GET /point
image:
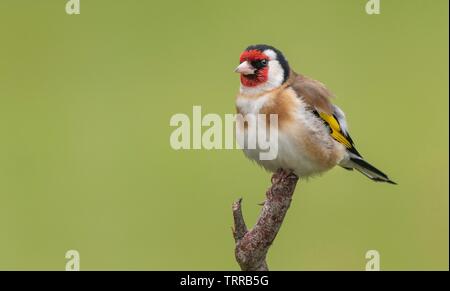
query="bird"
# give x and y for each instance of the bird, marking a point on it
(313, 135)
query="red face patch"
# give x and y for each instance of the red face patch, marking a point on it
(261, 74)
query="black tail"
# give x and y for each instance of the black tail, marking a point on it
(370, 171)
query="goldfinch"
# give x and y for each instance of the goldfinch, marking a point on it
(313, 135)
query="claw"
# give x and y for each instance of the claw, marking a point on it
(276, 177)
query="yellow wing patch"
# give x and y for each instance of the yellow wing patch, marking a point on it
(336, 132)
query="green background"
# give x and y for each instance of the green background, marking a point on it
(85, 160)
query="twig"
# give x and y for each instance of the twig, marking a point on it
(252, 246)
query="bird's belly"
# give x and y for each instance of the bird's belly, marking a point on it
(304, 142)
(304, 154)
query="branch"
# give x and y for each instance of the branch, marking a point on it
(252, 246)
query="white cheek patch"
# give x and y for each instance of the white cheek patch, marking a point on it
(276, 74)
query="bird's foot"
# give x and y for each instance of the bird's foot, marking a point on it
(282, 174)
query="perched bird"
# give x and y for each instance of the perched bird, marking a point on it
(313, 135)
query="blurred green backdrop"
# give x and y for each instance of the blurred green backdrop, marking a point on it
(85, 161)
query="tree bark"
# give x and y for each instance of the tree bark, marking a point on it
(252, 245)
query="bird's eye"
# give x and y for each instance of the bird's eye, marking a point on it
(259, 64)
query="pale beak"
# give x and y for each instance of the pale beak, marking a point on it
(245, 68)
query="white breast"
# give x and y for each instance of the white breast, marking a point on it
(251, 105)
